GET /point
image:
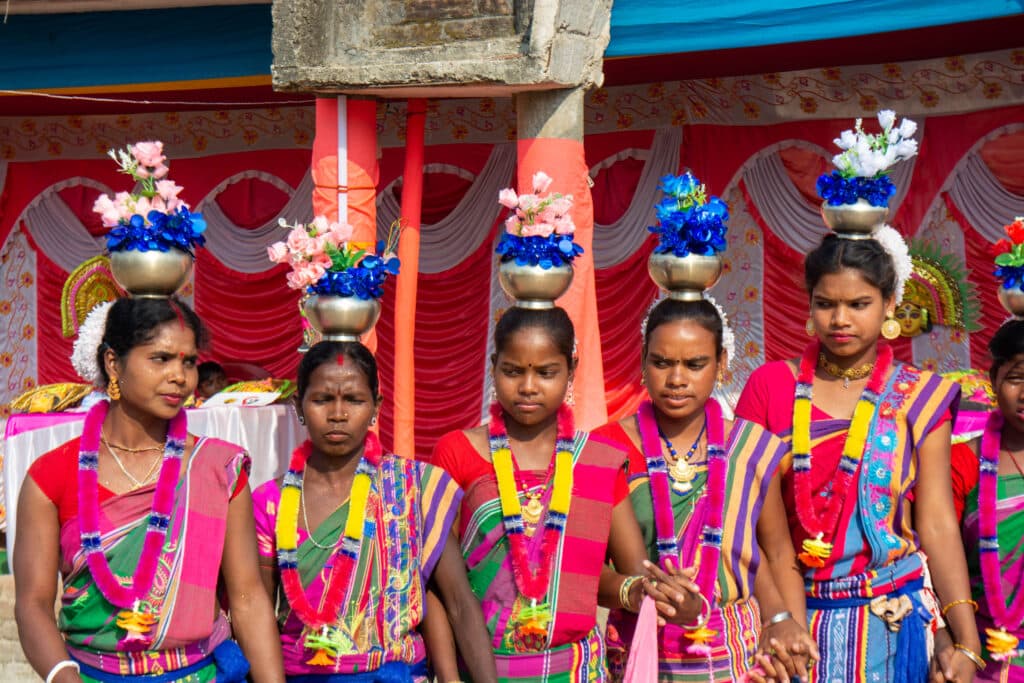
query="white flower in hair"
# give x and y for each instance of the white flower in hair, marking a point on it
(728, 337)
(894, 245)
(90, 335)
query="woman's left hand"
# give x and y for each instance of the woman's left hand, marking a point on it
(675, 594)
(960, 669)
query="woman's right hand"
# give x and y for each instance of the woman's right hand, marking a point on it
(675, 593)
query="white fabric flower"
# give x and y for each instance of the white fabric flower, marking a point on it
(894, 245)
(886, 118)
(90, 335)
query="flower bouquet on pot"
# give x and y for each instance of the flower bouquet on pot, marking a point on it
(1009, 258)
(858, 191)
(343, 280)
(536, 249)
(691, 238)
(153, 234)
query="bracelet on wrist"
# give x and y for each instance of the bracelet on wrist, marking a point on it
(624, 589)
(703, 617)
(779, 617)
(60, 666)
(961, 601)
(978, 662)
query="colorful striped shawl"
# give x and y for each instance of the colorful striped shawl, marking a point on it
(184, 593)
(873, 529)
(1010, 527)
(409, 516)
(578, 560)
(754, 455)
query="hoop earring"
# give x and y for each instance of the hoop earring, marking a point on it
(114, 390)
(891, 328)
(809, 327)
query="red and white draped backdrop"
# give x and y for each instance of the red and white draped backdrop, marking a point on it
(964, 185)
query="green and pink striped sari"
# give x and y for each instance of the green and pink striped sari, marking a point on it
(574, 651)
(190, 624)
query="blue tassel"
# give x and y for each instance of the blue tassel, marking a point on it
(232, 666)
(911, 647)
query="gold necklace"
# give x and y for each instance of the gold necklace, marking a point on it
(125, 449)
(305, 520)
(532, 510)
(845, 374)
(138, 483)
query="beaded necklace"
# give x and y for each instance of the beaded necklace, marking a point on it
(137, 618)
(815, 549)
(682, 471)
(664, 521)
(1001, 644)
(532, 582)
(326, 641)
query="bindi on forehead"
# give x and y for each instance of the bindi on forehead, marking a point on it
(340, 360)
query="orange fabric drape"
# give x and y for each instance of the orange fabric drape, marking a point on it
(405, 287)
(566, 163)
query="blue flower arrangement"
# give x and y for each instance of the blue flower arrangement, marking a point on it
(364, 280)
(539, 229)
(181, 229)
(688, 221)
(837, 190)
(155, 219)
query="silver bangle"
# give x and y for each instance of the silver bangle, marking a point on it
(60, 666)
(780, 617)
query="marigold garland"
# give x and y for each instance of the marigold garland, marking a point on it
(664, 521)
(1001, 644)
(816, 550)
(128, 595)
(318, 621)
(533, 582)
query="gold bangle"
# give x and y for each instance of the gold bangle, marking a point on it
(961, 601)
(624, 589)
(978, 662)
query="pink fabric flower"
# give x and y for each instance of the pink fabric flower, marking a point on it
(110, 215)
(340, 233)
(168, 190)
(321, 225)
(541, 182)
(160, 171)
(143, 206)
(562, 204)
(278, 252)
(508, 198)
(149, 154)
(528, 202)
(125, 205)
(536, 230)
(564, 225)
(298, 240)
(512, 225)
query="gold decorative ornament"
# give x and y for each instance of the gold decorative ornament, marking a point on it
(809, 327)
(891, 328)
(845, 374)
(88, 285)
(937, 293)
(113, 390)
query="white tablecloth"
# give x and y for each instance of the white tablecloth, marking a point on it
(268, 433)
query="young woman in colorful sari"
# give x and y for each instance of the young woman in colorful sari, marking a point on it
(867, 434)
(375, 529)
(699, 484)
(541, 503)
(142, 520)
(989, 478)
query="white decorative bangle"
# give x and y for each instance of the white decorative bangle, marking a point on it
(60, 666)
(779, 618)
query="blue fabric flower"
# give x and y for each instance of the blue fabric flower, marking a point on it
(1011, 276)
(181, 229)
(546, 252)
(687, 224)
(837, 190)
(364, 280)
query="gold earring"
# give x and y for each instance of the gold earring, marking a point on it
(570, 396)
(113, 389)
(891, 328)
(809, 327)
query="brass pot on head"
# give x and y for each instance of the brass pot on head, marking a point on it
(1012, 300)
(857, 220)
(685, 277)
(341, 318)
(534, 286)
(151, 274)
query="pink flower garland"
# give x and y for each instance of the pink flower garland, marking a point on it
(532, 582)
(111, 586)
(714, 489)
(1008, 617)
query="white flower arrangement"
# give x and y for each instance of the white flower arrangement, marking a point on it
(869, 155)
(90, 335)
